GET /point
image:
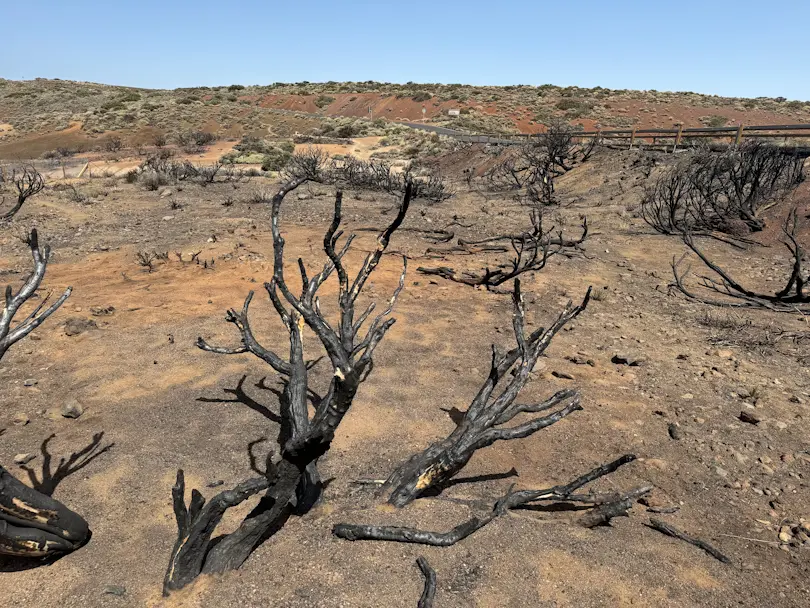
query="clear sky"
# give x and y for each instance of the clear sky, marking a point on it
(737, 48)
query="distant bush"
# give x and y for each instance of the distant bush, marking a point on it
(422, 96)
(276, 160)
(192, 141)
(128, 97)
(113, 144)
(187, 100)
(714, 121)
(236, 87)
(324, 100)
(112, 105)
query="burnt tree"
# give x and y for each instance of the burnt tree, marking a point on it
(792, 298)
(32, 524)
(27, 181)
(487, 420)
(292, 484)
(531, 251)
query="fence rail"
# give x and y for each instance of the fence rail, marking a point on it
(673, 137)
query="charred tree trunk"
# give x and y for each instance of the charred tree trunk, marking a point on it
(292, 485)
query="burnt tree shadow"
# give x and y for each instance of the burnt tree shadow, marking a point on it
(50, 479)
(240, 396)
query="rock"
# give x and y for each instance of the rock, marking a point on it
(21, 419)
(687, 396)
(563, 375)
(166, 192)
(723, 353)
(721, 472)
(627, 359)
(167, 218)
(749, 417)
(102, 311)
(30, 382)
(22, 459)
(117, 590)
(214, 484)
(675, 431)
(72, 409)
(785, 535)
(76, 325)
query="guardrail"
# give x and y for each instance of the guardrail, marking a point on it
(677, 135)
(667, 137)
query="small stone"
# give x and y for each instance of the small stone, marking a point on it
(721, 472)
(784, 535)
(72, 409)
(167, 218)
(102, 311)
(21, 419)
(30, 382)
(748, 417)
(165, 193)
(563, 375)
(22, 459)
(214, 484)
(117, 590)
(627, 359)
(687, 396)
(675, 431)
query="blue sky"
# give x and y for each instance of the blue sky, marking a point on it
(736, 48)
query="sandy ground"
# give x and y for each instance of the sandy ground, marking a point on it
(155, 396)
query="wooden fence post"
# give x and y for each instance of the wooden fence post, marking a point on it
(678, 138)
(632, 137)
(739, 137)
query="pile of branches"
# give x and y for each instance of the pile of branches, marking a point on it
(794, 297)
(530, 170)
(375, 175)
(721, 191)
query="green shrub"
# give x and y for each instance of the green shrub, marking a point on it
(422, 96)
(324, 100)
(276, 160)
(128, 97)
(236, 87)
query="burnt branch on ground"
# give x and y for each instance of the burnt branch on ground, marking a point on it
(605, 507)
(429, 591)
(531, 251)
(291, 485)
(792, 298)
(670, 530)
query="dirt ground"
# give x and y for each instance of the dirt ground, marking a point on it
(163, 404)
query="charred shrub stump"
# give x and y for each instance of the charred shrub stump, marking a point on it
(292, 484)
(32, 524)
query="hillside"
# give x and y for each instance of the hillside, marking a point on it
(39, 115)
